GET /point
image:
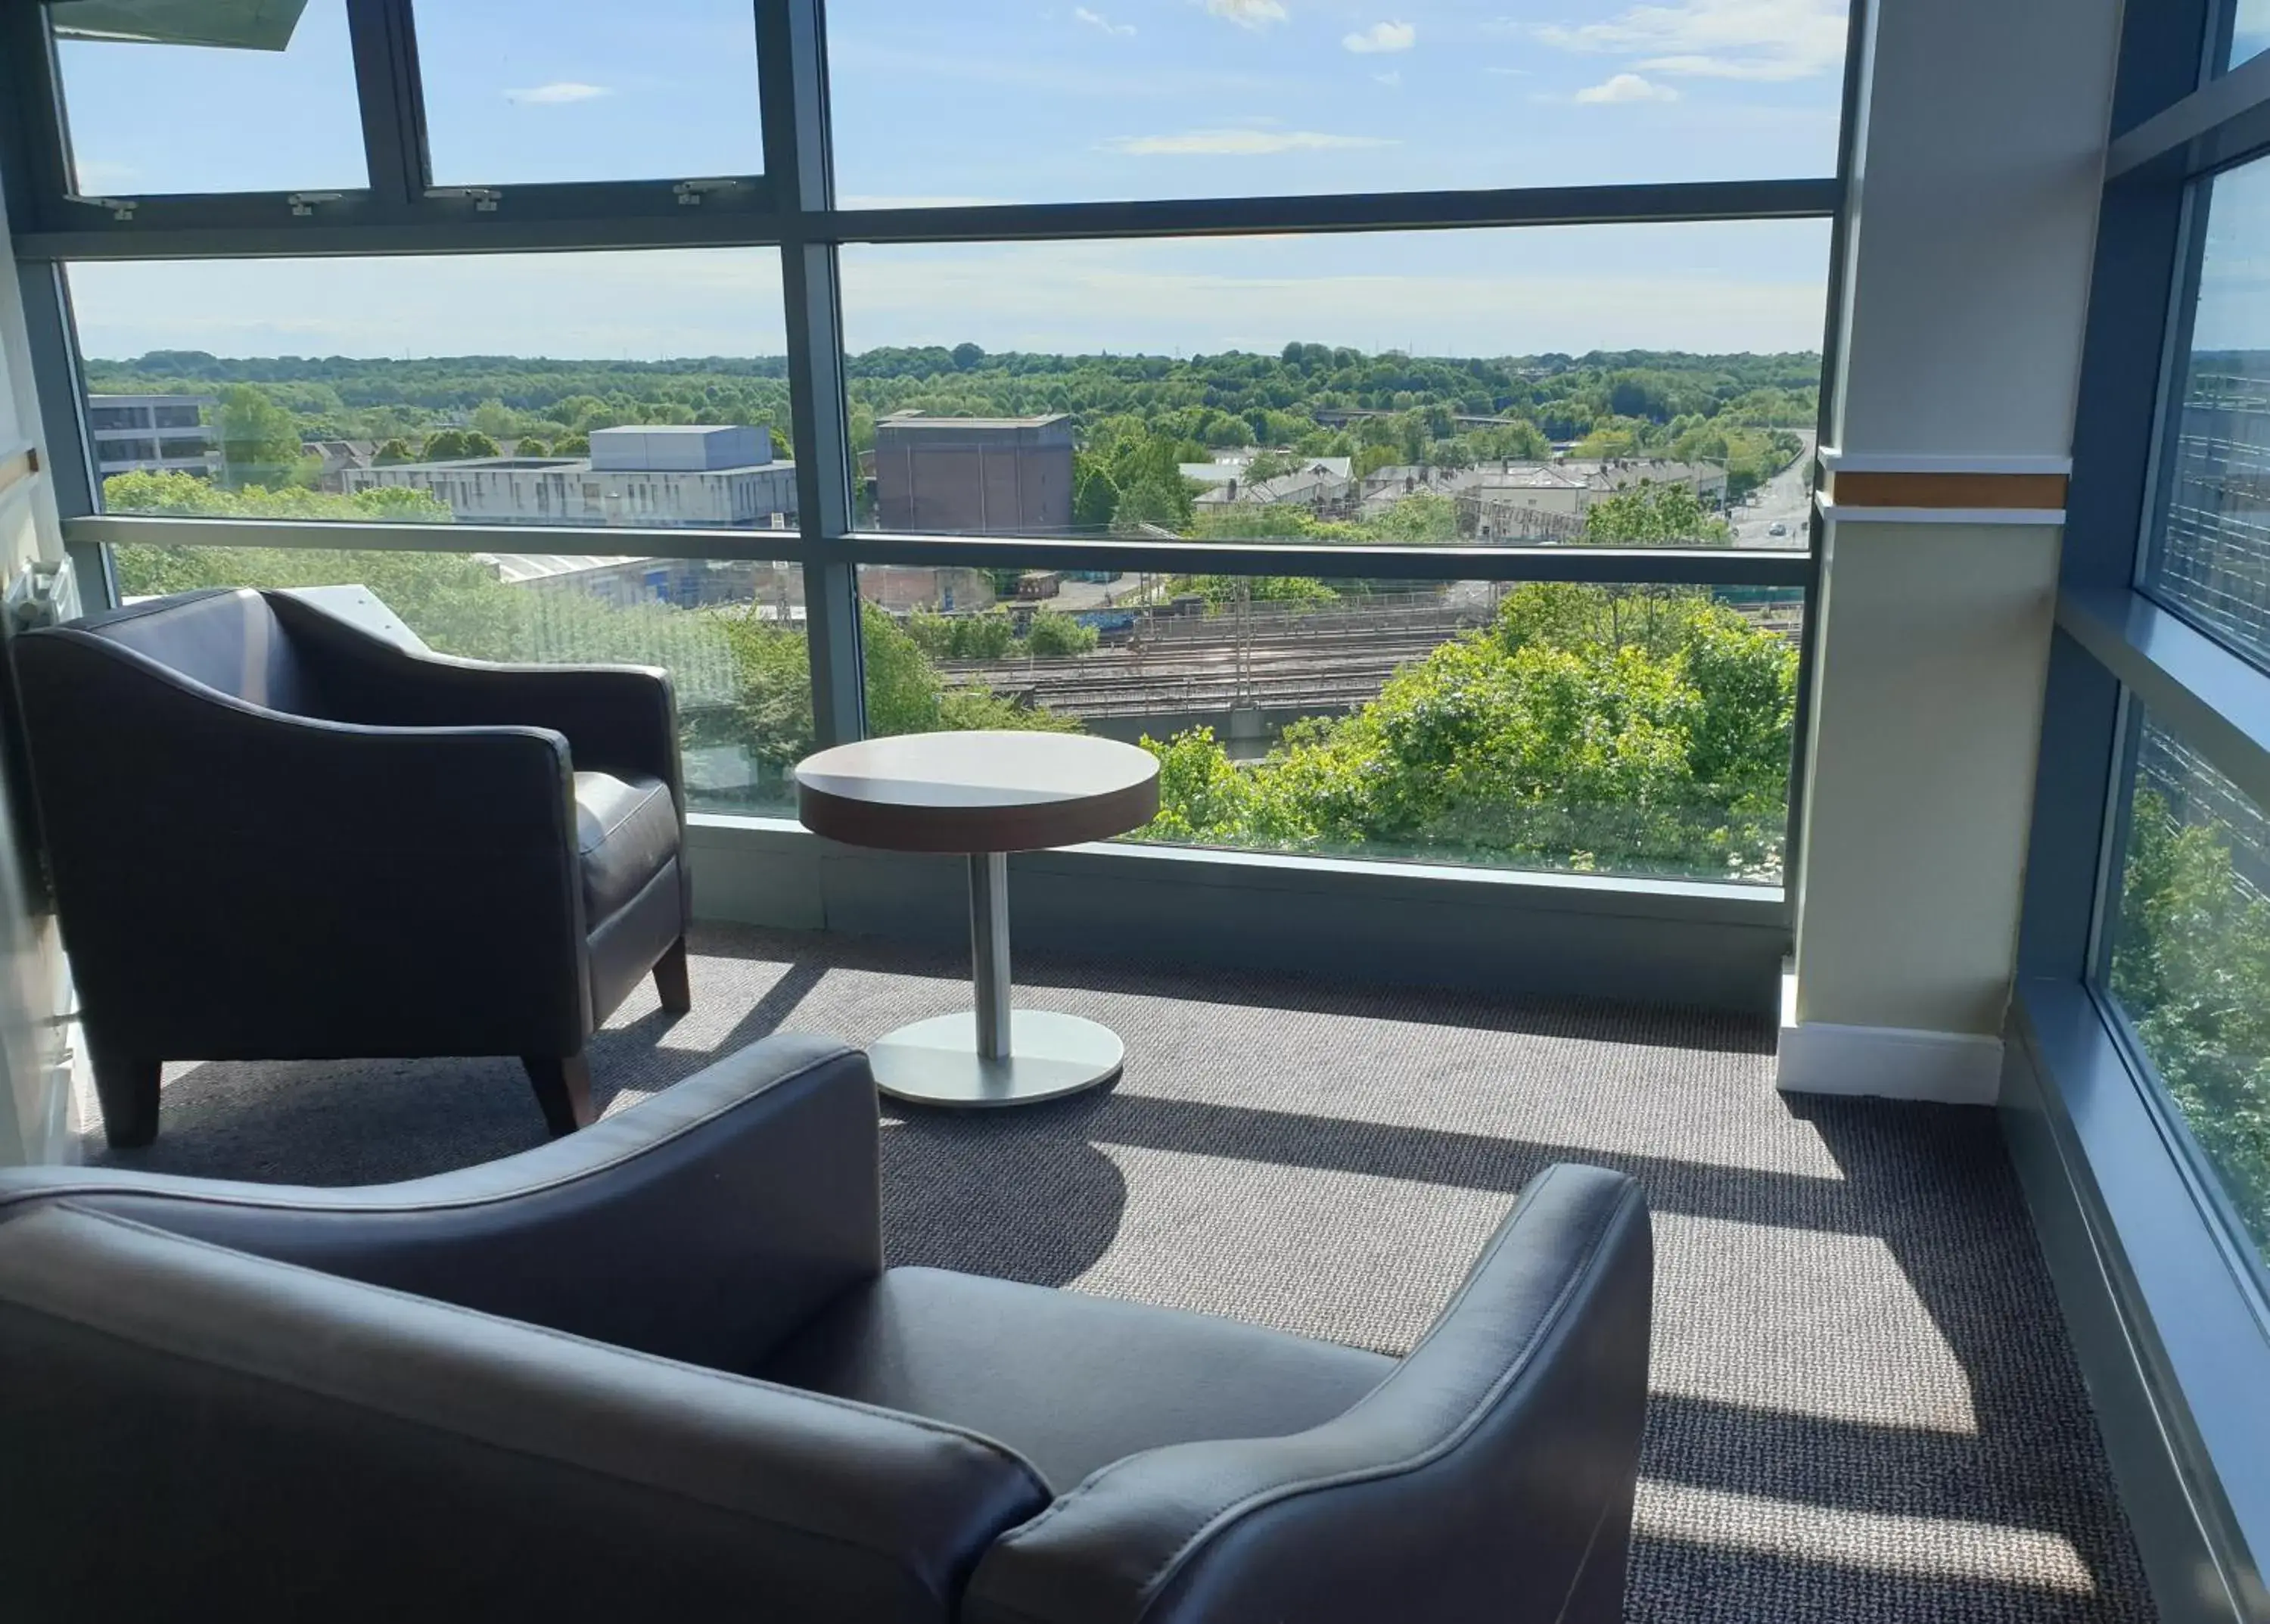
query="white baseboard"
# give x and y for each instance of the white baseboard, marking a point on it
(1892, 1062)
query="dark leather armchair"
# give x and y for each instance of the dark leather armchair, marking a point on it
(658, 1370)
(276, 836)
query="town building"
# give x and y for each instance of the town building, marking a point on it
(713, 477)
(154, 433)
(1001, 476)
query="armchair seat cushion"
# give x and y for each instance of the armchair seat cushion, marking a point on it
(625, 830)
(1071, 1383)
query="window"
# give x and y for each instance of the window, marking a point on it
(166, 96)
(1604, 729)
(2211, 560)
(2190, 960)
(528, 370)
(520, 92)
(2250, 31)
(989, 100)
(730, 632)
(1615, 387)
(1620, 384)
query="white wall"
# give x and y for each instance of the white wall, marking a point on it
(1972, 232)
(35, 980)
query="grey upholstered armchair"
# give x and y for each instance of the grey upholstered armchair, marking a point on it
(276, 836)
(658, 1370)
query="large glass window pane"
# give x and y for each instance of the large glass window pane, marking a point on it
(2250, 31)
(1625, 731)
(2211, 553)
(1613, 385)
(209, 96)
(630, 390)
(730, 632)
(990, 100)
(520, 92)
(2190, 960)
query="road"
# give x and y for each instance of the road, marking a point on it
(1781, 501)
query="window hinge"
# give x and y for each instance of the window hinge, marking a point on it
(484, 198)
(303, 204)
(121, 208)
(690, 193)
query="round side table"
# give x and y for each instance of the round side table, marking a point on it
(985, 794)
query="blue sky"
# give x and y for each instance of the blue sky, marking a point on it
(1012, 100)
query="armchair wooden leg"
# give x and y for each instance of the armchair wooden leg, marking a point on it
(672, 982)
(563, 1089)
(127, 1089)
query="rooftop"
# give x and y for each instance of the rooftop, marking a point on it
(914, 419)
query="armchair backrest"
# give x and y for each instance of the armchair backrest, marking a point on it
(195, 1431)
(227, 639)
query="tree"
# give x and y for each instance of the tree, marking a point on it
(458, 445)
(393, 453)
(494, 419)
(1647, 515)
(259, 440)
(1421, 517)
(1094, 496)
(1568, 733)
(1271, 465)
(967, 357)
(1154, 500)
(1370, 459)
(2190, 965)
(532, 447)
(1052, 633)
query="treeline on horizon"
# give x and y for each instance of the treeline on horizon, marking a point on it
(1737, 407)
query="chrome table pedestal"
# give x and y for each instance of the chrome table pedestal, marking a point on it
(989, 1056)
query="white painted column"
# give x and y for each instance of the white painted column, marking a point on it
(1979, 174)
(35, 1095)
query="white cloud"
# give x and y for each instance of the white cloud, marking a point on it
(560, 92)
(1238, 143)
(1249, 13)
(1627, 88)
(1096, 20)
(1761, 39)
(1381, 37)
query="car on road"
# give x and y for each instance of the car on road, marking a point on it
(1776, 528)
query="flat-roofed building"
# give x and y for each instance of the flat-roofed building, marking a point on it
(715, 477)
(969, 476)
(154, 433)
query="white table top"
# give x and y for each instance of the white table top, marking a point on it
(977, 791)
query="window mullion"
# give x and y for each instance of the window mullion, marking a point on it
(791, 56)
(387, 84)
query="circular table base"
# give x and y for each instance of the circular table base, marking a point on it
(936, 1062)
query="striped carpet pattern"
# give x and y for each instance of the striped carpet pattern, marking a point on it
(1864, 1402)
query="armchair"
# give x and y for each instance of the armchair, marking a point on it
(273, 836)
(658, 1370)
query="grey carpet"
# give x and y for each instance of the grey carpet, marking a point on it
(1864, 1403)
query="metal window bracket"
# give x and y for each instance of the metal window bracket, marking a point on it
(690, 193)
(484, 198)
(303, 204)
(121, 208)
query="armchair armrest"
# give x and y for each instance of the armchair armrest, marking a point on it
(705, 1223)
(616, 718)
(1489, 1476)
(223, 1436)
